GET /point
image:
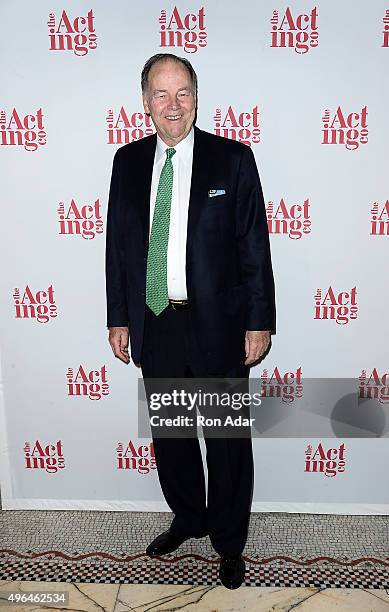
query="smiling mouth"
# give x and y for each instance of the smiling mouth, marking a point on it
(173, 117)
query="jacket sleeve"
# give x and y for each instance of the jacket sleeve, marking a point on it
(254, 246)
(115, 276)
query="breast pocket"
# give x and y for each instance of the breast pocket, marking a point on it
(221, 199)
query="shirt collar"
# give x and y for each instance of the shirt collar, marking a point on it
(184, 148)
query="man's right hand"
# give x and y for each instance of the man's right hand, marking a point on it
(118, 339)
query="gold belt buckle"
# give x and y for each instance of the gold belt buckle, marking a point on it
(176, 304)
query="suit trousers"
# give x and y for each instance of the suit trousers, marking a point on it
(170, 350)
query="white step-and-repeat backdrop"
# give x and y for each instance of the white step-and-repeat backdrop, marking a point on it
(302, 83)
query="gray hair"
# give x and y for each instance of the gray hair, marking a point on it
(161, 57)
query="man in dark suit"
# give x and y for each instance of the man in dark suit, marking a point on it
(189, 281)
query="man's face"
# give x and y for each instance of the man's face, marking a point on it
(170, 101)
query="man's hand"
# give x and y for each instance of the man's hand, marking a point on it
(118, 339)
(256, 343)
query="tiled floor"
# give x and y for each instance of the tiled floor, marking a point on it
(87, 597)
(294, 561)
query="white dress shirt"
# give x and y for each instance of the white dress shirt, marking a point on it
(182, 175)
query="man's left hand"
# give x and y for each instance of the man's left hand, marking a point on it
(256, 343)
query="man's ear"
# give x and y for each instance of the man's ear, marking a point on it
(146, 105)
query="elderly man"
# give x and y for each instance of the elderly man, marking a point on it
(189, 281)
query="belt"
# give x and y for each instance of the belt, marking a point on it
(178, 304)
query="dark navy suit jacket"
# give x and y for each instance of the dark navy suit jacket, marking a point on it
(229, 273)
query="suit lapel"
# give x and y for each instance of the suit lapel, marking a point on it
(198, 189)
(143, 183)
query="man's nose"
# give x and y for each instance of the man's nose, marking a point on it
(174, 103)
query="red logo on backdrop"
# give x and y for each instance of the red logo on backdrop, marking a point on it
(26, 131)
(243, 126)
(385, 19)
(285, 385)
(82, 220)
(139, 458)
(182, 30)
(348, 130)
(379, 221)
(328, 462)
(124, 128)
(292, 221)
(40, 305)
(298, 33)
(49, 458)
(75, 34)
(340, 308)
(374, 386)
(84, 383)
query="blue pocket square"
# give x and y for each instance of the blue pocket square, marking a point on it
(215, 192)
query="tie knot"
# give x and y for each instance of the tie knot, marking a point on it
(170, 152)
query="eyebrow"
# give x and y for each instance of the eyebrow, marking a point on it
(165, 90)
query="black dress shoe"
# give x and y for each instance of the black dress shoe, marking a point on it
(165, 543)
(231, 571)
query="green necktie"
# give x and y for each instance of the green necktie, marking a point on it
(156, 278)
